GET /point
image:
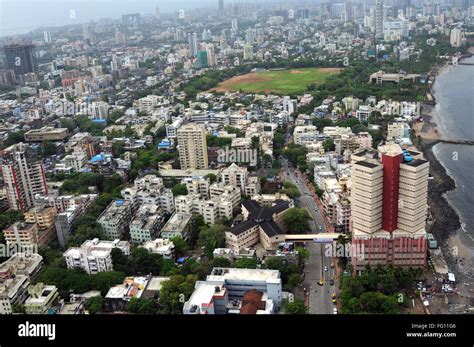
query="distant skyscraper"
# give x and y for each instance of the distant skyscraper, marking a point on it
(47, 37)
(21, 59)
(221, 8)
(192, 147)
(157, 13)
(193, 44)
(379, 19)
(23, 176)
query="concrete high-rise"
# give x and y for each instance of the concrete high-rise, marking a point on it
(21, 59)
(23, 176)
(192, 147)
(378, 19)
(388, 207)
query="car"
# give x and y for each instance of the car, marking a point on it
(334, 301)
(321, 283)
(333, 295)
(331, 282)
(325, 268)
(334, 310)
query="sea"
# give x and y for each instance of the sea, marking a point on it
(454, 92)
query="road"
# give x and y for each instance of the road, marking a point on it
(320, 299)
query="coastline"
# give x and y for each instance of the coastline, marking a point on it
(446, 220)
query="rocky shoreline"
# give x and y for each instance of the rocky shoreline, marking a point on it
(446, 219)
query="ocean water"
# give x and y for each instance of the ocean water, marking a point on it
(454, 91)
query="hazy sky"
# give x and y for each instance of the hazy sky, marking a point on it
(20, 16)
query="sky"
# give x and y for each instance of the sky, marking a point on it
(21, 16)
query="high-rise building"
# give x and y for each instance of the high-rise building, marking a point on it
(47, 36)
(23, 176)
(192, 147)
(389, 203)
(248, 52)
(202, 59)
(221, 8)
(211, 55)
(378, 19)
(456, 37)
(21, 59)
(193, 44)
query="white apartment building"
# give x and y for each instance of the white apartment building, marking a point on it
(197, 185)
(455, 38)
(148, 103)
(305, 134)
(17, 273)
(94, 256)
(172, 129)
(177, 226)
(163, 247)
(192, 147)
(146, 224)
(235, 176)
(115, 219)
(234, 284)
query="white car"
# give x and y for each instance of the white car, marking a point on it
(325, 268)
(334, 310)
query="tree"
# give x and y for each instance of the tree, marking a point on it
(329, 145)
(18, 308)
(212, 177)
(174, 293)
(48, 148)
(94, 305)
(142, 306)
(296, 219)
(295, 307)
(180, 245)
(179, 189)
(246, 263)
(211, 238)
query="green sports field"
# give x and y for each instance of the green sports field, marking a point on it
(280, 82)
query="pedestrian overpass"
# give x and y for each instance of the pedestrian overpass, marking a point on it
(318, 238)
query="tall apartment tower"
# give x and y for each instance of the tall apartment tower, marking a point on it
(192, 147)
(221, 8)
(193, 44)
(23, 176)
(21, 58)
(378, 19)
(388, 207)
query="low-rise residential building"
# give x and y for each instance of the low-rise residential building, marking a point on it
(236, 291)
(42, 298)
(44, 217)
(46, 134)
(94, 256)
(177, 225)
(114, 221)
(15, 276)
(305, 134)
(163, 247)
(146, 224)
(21, 234)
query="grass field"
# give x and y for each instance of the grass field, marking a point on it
(280, 82)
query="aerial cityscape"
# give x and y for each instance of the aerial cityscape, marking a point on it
(285, 157)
